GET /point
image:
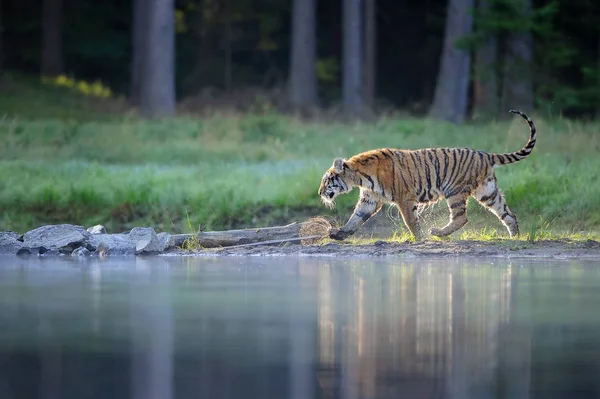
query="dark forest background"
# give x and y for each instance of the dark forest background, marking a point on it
(451, 59)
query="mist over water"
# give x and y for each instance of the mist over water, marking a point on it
(294, 327)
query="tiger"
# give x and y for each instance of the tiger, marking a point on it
(412, 178)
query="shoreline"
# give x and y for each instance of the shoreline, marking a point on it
(72, 241)
(544, 249)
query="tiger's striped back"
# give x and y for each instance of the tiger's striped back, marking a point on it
(423, 175)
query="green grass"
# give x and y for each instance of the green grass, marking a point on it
(64, 161)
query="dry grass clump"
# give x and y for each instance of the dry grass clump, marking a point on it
(315, 226)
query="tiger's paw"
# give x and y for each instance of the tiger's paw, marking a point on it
(338, 234)
(436, 232)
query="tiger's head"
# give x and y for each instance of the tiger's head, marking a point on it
(335, 181)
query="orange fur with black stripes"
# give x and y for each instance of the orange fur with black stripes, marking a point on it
(408, 178)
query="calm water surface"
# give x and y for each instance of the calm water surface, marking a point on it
(163, 328)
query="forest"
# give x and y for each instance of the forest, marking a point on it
(224, 113)
(452, 59)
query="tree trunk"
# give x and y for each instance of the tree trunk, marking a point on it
(227, 78)
(486, 99)
(370, 58)
(451, 91)
(598, 77)
(303, 76)
(139, 35)
(158, 80)
(52, 58)
(206, 31)
(517, 86)
(352, 96)
(1, 37)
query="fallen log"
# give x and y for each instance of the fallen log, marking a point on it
(305, 232)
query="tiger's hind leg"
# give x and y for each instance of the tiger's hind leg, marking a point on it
(490, 197)
(458, 215)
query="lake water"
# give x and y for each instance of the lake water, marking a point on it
(290, 327)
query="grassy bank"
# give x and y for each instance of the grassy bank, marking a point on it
(226, 171)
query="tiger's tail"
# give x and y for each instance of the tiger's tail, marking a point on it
(524, 152)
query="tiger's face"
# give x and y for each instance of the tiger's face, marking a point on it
(334, 183)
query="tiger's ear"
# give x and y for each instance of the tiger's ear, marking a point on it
(339, 165)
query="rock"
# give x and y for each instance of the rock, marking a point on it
(54, 252)
(67, 239)
(163, 240)
(64, 238)
(81, 251)
(23, 252)
(111, 244)
(146, 240)
(9, 243)
(139, 240)
(102, 250)
(97, 229)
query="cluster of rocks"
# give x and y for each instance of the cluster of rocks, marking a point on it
(68, 239)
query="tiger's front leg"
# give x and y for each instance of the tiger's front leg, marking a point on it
(368, 205)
